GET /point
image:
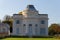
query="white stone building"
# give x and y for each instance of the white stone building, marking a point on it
(29, 22)
(4, 30)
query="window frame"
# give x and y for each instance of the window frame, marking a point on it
(30, 24)
(17, 21)
(17, 30)
(42, 21)
(42, 31)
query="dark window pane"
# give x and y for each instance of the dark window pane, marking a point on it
(36, 25)
(3, 29)
(36, 29)
(42, 31)
(24, 25)
(30, 30)
(30, 24)
(17, 30)
(17, 21)
(42, 22)
(11, 29)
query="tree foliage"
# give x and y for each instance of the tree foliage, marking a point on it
(8, 19)
(54, 29)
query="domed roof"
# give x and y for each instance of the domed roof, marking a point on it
(31, 7)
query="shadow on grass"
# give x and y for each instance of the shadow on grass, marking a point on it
(25, 37)
(29, 37)
(2, 38)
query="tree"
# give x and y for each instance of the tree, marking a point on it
(9, 21)
(54, 29)
(0, 20)
(7, 17)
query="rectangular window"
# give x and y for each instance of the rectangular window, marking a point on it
(30, 24)
(24, 24)
(36, 25)
(42, 31)
(42, 22)
(30, 30)
(17, 30)
(17, 21)
(4, 30)
(24, 28)
(36, 29)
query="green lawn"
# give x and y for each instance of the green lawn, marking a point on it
(30, 39)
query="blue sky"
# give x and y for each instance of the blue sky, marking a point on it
(50, 7)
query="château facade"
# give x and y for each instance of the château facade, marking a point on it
(30, 23)
(4, 29)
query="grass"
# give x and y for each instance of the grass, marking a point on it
(30, 39)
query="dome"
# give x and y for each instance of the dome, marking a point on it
(31, 7)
